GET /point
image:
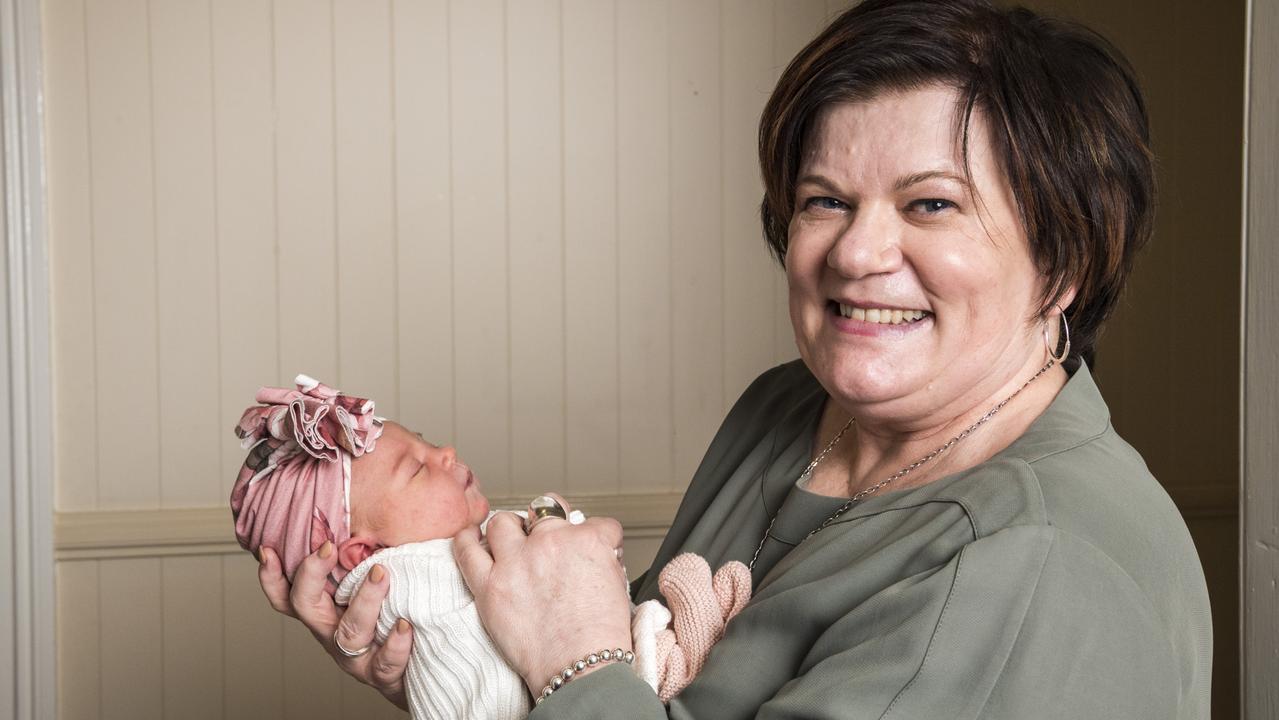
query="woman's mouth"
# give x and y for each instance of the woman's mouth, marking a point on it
(880, 315)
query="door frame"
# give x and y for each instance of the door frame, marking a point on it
(28, 669)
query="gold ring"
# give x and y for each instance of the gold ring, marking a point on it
(541, 508)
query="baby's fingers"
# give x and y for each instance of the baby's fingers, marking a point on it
(274, 585)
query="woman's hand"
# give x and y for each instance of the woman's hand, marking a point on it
(549, 597)
(382, 667)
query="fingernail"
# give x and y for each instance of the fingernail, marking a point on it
(262, 555)
(401, 626)
(326, 550)
(376, 574)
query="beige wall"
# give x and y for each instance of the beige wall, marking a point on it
(527, 228)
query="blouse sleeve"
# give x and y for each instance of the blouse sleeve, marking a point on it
(1027, 622)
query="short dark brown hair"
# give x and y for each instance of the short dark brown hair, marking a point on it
(1064, 111)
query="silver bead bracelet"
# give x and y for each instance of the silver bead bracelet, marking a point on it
(596, 658)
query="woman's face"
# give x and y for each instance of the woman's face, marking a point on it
(911, 287)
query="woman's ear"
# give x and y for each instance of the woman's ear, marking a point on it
(355, 551)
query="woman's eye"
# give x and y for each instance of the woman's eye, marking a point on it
(824, 203)
(932, 206)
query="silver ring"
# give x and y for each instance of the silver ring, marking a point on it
(344, 651)
(541, 508)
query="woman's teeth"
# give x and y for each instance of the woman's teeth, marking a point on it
(884, 316)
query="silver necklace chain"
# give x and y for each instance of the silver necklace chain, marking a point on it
(808, 471)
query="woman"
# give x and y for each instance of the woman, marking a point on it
(939, 518)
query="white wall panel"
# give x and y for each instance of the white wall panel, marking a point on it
(131, 654)
(191, 625)
(71, 255)
(185, 252)
(481, 329)
(424, 216)
(252, 643)
(305, 191)
(535, 202)
(79, 666)
(364, 141)
(590, 245)
(645, 388)
(248, 277)
(124, 258)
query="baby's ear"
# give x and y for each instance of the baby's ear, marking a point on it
(354, 551)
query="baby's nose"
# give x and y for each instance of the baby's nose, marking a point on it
(445, 456)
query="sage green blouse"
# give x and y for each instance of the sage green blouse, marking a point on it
(1056, 580)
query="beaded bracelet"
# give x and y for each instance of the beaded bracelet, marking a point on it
(603, 656)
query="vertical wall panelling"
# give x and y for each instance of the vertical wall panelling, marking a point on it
(364, 139)
(423, 207)
(252, 644)
(535, 202)
(749, 270)
(124, 252)
(306, 189)
(481, 348)
(79, 667)
(244, 143)
(192, 631)
(643, 283)
(186, 261)
(697, 272)
(311, 687)
(590, 245)
(363, 702)
(71, 255)
(132, 665)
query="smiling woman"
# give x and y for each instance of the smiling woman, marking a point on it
(938, 517)
(884, 226)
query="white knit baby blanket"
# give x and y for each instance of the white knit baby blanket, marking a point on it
(454, 671)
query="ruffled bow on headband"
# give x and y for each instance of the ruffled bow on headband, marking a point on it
(293, 492)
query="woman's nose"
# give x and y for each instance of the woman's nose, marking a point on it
(869, 245)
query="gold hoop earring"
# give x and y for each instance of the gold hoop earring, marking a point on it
(1065, 333)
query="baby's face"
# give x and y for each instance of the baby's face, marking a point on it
(408, 490)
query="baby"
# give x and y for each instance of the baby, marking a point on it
(312, 476)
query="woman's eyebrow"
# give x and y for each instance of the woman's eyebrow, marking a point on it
(919, 177)
(819, 180)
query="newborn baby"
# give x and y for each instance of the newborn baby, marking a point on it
(312, 476)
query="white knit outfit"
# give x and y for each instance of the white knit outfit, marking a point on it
(454, 671)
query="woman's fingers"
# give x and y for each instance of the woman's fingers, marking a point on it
(274, 585)
(390, 662)
(607, 529)
(473, 558)
(311, 604)
(505, 534)
(358, 625)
